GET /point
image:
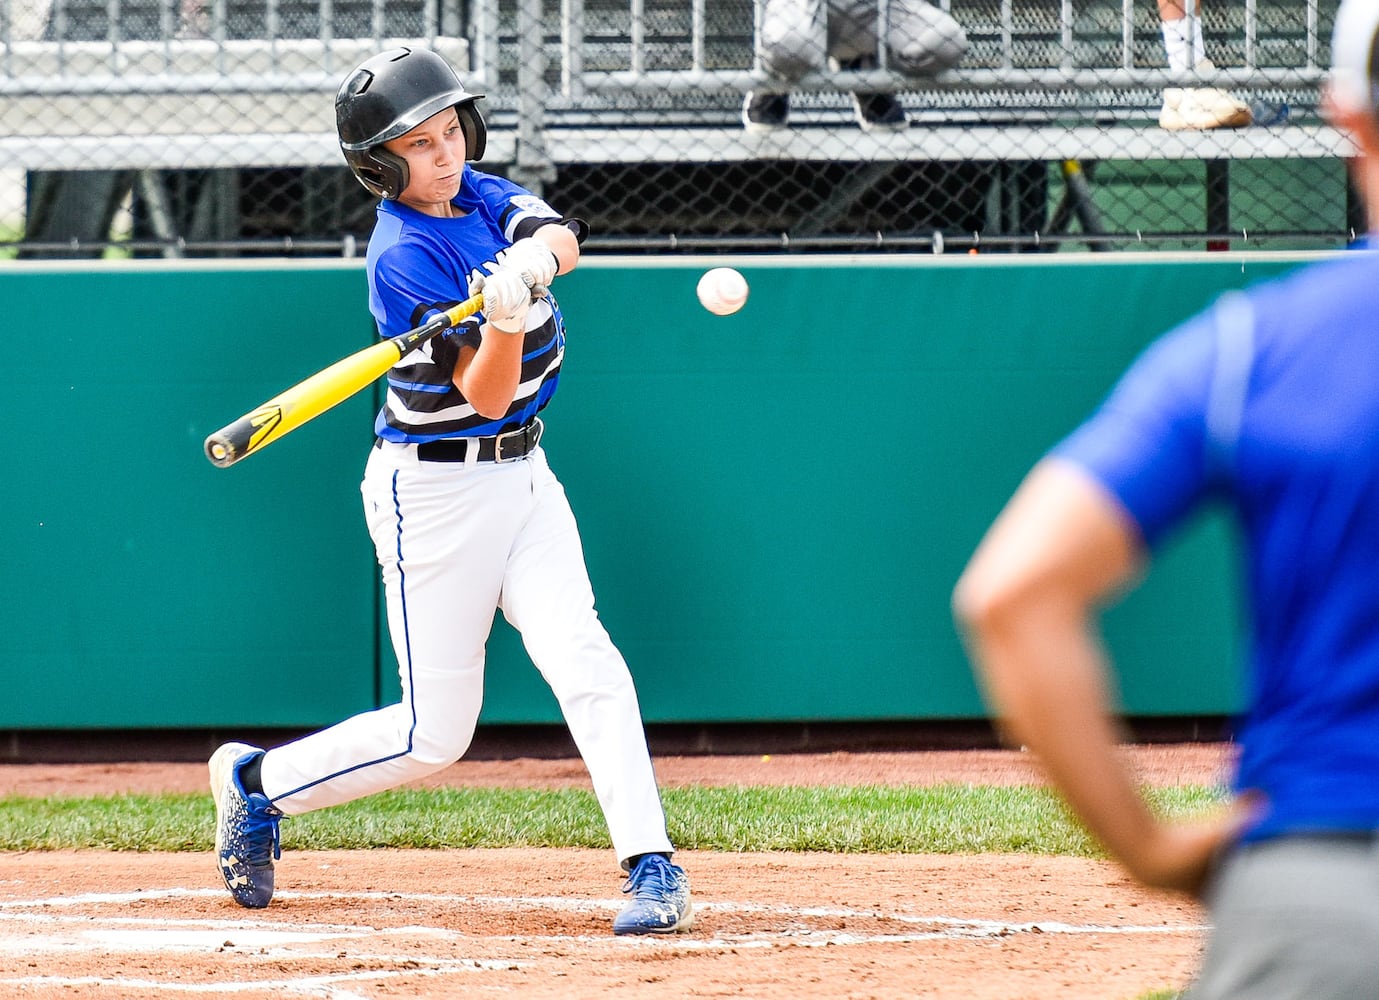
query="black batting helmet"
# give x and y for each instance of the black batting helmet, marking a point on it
(390, 94)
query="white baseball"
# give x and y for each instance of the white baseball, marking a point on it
(722, 290)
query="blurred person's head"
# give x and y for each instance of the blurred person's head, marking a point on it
(1352, 94)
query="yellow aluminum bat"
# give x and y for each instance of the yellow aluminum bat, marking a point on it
(315, 395)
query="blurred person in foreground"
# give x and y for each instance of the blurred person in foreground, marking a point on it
(1266, 403)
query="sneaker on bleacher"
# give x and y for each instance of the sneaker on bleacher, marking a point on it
(875, 110)
(765, 112)
(879, 111)
(1202, 107)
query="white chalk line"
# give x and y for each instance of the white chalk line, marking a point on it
(269, 938)
(559, 903)
(322, 985)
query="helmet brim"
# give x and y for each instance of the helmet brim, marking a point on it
(413, 117)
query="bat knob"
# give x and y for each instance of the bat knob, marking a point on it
(219, 451)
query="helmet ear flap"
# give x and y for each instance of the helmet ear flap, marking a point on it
(382, 173)
(474, 130)
(393, 171)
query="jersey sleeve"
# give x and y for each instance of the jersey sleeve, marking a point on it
(409, 288)
(1147, 443)
(515, 211)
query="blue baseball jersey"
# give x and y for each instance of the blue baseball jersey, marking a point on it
(1269, 403)
(419, 265)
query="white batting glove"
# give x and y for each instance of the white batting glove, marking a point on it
(507, 297)
(533, 258)
(477, 279)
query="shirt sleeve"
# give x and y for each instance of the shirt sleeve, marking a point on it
(410, 288)
(1146, 443)
(514, 210)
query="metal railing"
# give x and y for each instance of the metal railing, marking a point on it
(1076, 47)
(607, 74)
(603, 90)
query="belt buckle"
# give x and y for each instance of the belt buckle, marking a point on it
(533, 429)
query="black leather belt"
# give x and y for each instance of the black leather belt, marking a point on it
(500, 448)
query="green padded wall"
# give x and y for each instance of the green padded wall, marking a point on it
(775, 505)
(144, 587)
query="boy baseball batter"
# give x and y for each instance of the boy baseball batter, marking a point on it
(464, 511)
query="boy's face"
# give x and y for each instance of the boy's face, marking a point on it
(434, 152)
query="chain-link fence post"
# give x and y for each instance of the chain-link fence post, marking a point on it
(532, 165)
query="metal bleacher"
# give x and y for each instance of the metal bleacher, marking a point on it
(1077, 81)
(148, 86)
(177, 101)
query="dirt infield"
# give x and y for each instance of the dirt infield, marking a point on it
(523, 923)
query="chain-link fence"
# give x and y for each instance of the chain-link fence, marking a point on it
(205, 127)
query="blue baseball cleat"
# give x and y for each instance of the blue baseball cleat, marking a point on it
(246, 829)
(660, 902)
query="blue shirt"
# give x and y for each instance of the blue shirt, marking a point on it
(419, 265)
(1276, 416)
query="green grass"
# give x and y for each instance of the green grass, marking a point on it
(9, 234)
(944, 819)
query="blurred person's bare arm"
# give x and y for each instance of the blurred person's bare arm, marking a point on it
(1027, 605)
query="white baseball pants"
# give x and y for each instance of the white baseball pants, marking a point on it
(456, 541)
